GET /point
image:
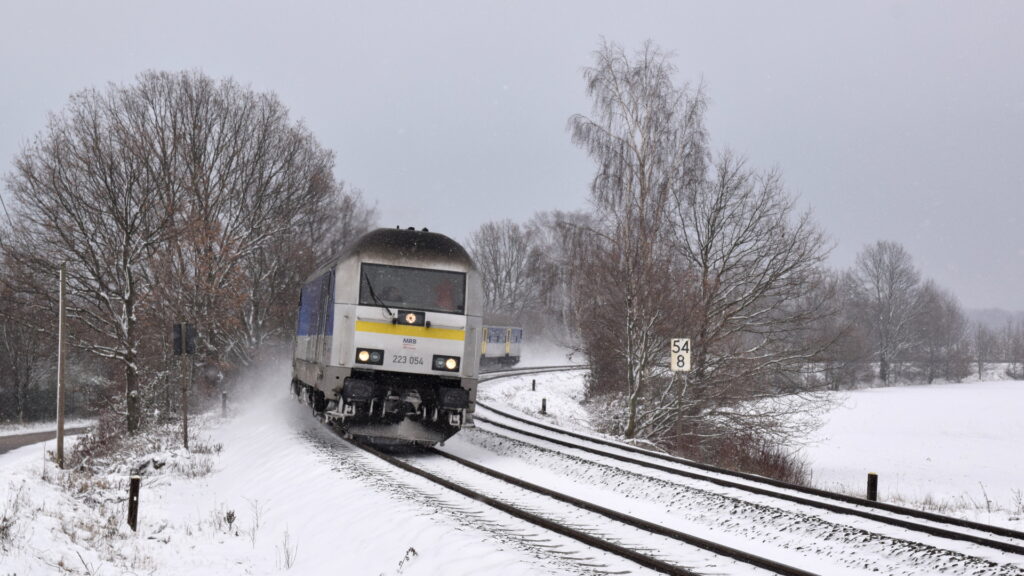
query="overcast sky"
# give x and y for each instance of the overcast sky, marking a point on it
(901, 121)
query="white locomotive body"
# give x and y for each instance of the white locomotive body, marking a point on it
(387, 338)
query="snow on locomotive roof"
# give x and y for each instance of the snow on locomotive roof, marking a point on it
(419, 245)
(409, 243)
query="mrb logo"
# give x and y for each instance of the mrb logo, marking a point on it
(409, 343)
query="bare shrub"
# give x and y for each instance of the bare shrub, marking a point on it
(410, 554)
(9, 518)
(194, 467)
(257, 510)
(205, 448)
(750, 454)
(230, 518)
(287, 552)
(105, 439)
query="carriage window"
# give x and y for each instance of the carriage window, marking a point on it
(412, 288)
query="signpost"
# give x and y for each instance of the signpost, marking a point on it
(62, 350)
(185, 345)
(679, 358)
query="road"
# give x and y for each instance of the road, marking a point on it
(8, 443)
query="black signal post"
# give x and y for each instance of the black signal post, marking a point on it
(185, 345)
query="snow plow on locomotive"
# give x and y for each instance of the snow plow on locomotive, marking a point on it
(387, 338)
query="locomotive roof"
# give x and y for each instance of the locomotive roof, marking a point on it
(405, 243)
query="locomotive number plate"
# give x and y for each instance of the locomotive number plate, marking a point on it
(402, 359)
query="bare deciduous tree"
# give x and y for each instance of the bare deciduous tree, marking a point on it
(941, 331)
(173, 199)
(888, 286)
(505, 256)
(758, 291)
(648, 141)
(90, 194)
(985, 346)
(1013, 338)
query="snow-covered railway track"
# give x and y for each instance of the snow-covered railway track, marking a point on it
(995, 537)
(645, 543)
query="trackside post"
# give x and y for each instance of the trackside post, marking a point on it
(872, 486)
(62, 330)
(133, 502)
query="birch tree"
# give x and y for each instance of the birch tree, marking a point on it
(647, 138)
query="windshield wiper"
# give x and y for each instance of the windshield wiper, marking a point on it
(375, 298)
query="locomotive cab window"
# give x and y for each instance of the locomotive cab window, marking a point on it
(412, 288)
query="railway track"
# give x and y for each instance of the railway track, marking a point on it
(999, 540)
(1011, 541)
(647, 544)
(668, 546)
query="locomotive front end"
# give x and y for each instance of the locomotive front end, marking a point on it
(404, 352)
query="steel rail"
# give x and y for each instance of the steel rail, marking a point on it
(932, 530)
(588, 539)
(996, 530)
(690, 539)
(506, 372)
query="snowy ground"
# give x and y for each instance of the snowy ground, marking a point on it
(544, 353)
(17, 429)
(563, 391)
(948, 447)
(300, 500)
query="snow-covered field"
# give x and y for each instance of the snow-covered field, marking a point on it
(951, 447)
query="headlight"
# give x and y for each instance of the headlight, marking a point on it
(446, 363)
(369, 356)
(411, 318)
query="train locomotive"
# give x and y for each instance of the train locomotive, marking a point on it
(387, 345)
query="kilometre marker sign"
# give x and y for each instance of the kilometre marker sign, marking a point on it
(679, 359)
